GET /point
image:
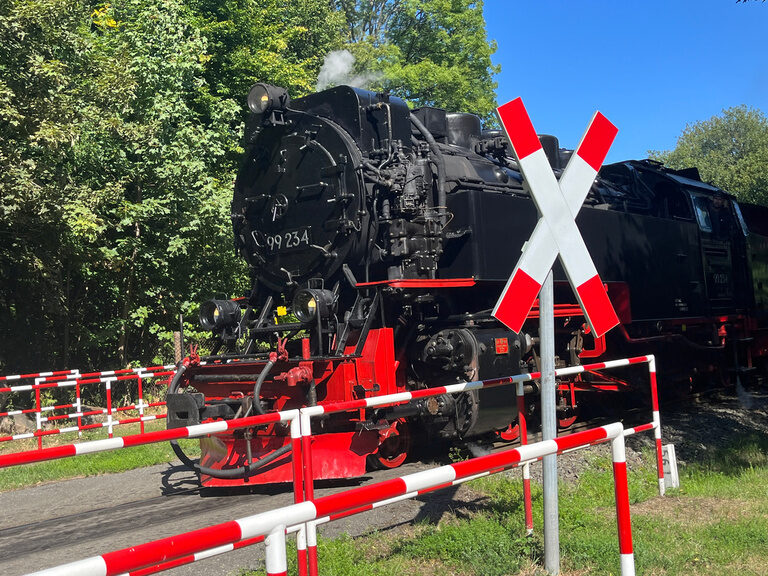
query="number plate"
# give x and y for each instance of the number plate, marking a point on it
(287, 240)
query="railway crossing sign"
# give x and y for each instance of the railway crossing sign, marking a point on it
(556, 232)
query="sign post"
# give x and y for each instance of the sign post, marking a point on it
(549, 424)
(556, 234)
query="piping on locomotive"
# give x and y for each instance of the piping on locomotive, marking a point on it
(378, 240)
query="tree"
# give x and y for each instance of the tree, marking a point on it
(159, 148)
(730, 150)
(114, 196)
(43, 73)
(430, 52)
(368, 20)
(265, 41)
(120, 130)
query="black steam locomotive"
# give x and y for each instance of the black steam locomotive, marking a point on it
(379, 239)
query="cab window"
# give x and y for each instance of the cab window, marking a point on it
(701, 207)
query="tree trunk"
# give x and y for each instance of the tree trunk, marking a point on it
(122, 346)
(67, 314)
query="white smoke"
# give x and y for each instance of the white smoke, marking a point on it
(337, 69)
(476, 450)
(745, 398)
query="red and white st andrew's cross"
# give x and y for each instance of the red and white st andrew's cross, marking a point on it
(556, 232)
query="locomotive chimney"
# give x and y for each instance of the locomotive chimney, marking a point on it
(551, 149)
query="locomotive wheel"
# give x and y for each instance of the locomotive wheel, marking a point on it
(393, 451)
(510, 434)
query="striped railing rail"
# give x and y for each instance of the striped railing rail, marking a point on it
(404, 397)
(46, 414)
(271, 526)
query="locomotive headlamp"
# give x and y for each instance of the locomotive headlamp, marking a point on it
(218, 315)
(308, 303)
(265, 97)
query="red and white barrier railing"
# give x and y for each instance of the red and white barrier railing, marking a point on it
(300, 426)
(62, 373)
(52, 379)
(75, 379)
(272, 525)
(195, 431)
(522, 423)
(404, 397)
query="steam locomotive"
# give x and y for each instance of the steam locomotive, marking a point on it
(379, 239)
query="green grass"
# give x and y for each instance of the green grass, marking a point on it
(487, 544)
(94, 464)
(716, 523)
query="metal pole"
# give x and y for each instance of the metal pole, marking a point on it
(623, 519)
(181, 333)
(523, 427)
(657, 425)
(549, 424)
(276, 560)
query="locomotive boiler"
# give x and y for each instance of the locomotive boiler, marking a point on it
(378, 240)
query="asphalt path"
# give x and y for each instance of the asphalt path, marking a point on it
(52, 524)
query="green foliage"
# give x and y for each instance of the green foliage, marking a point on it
(168, 235)
(368, 20)
(268, 41)
(485, 544)
(118, 149)
(430, 52)
(730, 151)
(113, 188)
(41, 53)
(120, 126)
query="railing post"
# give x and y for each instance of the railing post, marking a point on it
(78, 407)
(623, 518)
(298, 491)
(656, 423)
(108, 384)
(141, 402)
(312, 547)
(523, 427)
(309, 489)
(277, 564)
(38, 414)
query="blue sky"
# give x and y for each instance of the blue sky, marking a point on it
(651, 67)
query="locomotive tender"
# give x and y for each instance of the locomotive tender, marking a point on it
(379, 239)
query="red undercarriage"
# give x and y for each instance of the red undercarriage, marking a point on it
(341, 449)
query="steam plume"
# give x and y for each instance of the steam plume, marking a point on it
(337, 69)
